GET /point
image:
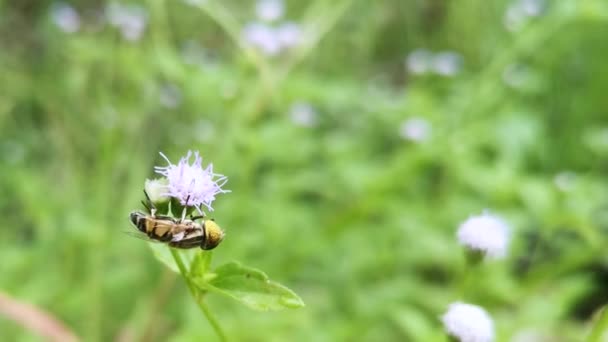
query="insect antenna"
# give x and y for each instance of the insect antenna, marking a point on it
(185, 207)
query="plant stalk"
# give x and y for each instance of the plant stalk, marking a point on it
(600, 327)
(199, 299)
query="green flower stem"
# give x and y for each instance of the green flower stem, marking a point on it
(600, 327)
(197, 297)
(473, 261)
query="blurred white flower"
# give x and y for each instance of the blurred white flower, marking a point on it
(303, 114)
(129, 19)
(565, 180)
(272, 40)
(485, 233)
(519, 13)
(514, 18)
(269, 10)
(468, 323)
(195, 3)
(170, 96)
(204, 130)
(190, 183)
(532, 8)
(419, 61)
(415, 129)
(447, 63)
(289, 35)
(515, 75)
(65, 17)
(263, 38)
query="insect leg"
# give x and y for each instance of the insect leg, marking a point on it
(185, 206)
(146, 206)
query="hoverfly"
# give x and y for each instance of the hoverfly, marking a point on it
(178, 233)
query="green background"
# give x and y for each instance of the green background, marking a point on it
(357, 220)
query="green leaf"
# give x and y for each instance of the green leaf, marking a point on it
(162, 253)
(201, 263)
(600, 327)
(250, 287)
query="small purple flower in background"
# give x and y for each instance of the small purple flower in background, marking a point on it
(289, 34)
(170, 96)
(65, 17)
(269, 10)
(203, 130)
(195, 3)
(565, 180)
(532, 8)
(268, 34)
(468, 323)
(263, 38)
(303, 114)
(516, 75)
(520, 12)
(485, 233)
(447, 63)
(415, 129)
(189, 183)
(131, 20)
(419, 61)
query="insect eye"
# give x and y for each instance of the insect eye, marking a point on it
(134, 218)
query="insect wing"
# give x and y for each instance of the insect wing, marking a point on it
(190, 238)
(188, 243)
(140, 235)
(161, 228)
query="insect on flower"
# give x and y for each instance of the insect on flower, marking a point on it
(192, 186)
(177, 233)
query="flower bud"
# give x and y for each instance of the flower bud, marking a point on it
(157, 190)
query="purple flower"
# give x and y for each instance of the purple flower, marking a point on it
(262, 37)
(192, 184)
(66, 17)
(486, 233)
(416, 129)
(468, 323)
(130, 19)
(270, 10)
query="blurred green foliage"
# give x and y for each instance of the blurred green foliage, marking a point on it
(343, 209)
